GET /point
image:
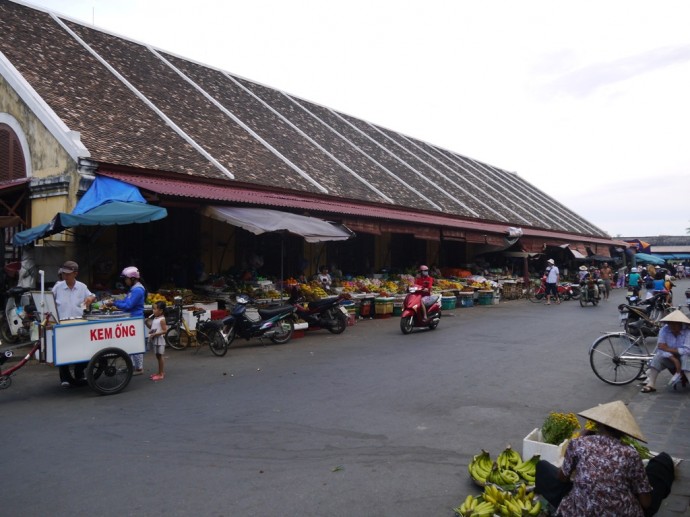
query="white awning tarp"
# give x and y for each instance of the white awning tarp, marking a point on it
(261, 220)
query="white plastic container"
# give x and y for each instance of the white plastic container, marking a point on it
(533, 444)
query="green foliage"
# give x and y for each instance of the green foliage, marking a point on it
(558, 427)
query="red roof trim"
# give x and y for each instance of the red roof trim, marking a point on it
(210, 192)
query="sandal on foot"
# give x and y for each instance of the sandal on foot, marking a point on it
(648, 389)
(157, 377)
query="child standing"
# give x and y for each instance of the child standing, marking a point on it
(157, 338)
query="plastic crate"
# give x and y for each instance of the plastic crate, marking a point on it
(366, 307)
(485, 298)
(383, 305)
(465, 299)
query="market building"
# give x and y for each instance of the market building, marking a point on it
(78, 103)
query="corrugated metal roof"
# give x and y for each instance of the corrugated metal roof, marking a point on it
(191, 189)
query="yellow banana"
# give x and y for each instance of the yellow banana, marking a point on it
(536, 508)
(509, 457)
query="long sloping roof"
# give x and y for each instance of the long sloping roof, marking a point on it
(144, 108)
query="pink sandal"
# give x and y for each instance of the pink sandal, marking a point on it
(157, 377)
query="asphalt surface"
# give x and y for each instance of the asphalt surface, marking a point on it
(367, 423)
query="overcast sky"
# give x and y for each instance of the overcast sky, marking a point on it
(587, 100)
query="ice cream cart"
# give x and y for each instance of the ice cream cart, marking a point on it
(105, 341)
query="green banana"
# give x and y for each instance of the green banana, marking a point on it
(536, 509)
(509, 477)
(508, 458)
(483, 509)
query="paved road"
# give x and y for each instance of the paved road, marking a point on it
(368, 423)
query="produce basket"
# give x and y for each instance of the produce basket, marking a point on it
(485, 297)
(448, 302)
(465, 299)
(383, 305)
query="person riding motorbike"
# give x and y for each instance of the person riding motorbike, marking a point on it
(425, 281)
(590, 278)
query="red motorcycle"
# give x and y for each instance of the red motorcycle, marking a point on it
(566, 292)
(412, 315)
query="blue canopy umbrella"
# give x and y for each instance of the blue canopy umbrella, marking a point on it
(107, 202)
(646, 258)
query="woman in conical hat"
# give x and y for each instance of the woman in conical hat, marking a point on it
(608, 478)
(672, 353)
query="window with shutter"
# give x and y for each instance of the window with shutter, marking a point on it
(12, 164)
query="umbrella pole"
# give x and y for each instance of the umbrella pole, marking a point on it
(282, 253)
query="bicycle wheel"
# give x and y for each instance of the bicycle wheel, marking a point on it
(109, 371)
(217, 343)
(177, 338)
(536, 296)
(612, 358)
(284, 330)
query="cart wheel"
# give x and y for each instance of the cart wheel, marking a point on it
(109, 371)
(5, 382)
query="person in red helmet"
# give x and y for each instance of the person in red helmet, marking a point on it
(425, 281)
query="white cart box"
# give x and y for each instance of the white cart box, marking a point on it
(75, 341)
(534, 443)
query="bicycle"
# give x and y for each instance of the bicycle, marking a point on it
(179, 336)
(619, 358)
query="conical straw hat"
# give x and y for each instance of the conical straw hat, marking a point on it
(676, 316)
(615, 415)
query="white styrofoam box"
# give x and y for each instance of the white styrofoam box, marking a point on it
(190, 319)
(208, 306)
(533, 444)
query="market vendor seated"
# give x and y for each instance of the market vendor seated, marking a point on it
(324, 278)
(72, 297)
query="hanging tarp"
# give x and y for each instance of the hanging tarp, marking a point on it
(105, 190)
(645, 258)
(260, 220)
(115, 208)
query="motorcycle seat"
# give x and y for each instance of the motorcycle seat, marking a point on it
(275, 311)
(12, 291)
(322, 303)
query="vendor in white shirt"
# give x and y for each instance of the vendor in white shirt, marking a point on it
(324, 278)
(71, 298)
(71, 295)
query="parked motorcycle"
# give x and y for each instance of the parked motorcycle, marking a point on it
(591, 292)
(15, 321)
(412, 315)
(277, 323)
(565, 292)
(329, 313)
(651, 310)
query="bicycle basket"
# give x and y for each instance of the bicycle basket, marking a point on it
(172, 315)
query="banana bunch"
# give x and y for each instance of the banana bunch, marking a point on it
(505, 478)
(480, 467)
(519, 504)
(527, 470)
(483, 509)
(508, 458)
(468, 506)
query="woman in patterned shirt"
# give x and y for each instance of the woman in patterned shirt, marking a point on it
(608, 477)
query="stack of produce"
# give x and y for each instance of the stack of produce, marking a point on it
(506, 483)
(497, 502)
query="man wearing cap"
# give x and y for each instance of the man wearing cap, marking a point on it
(71, 298)
(553, 276)
(600, 476)
(674, 340)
